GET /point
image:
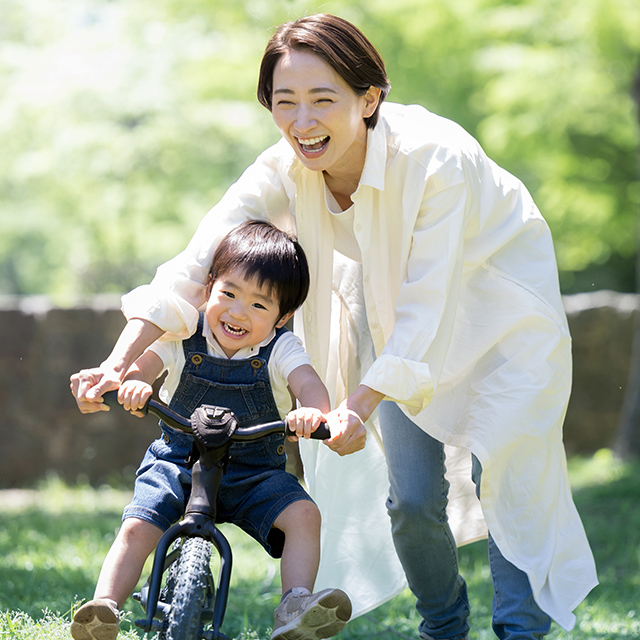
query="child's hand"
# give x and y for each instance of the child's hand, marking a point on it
(304, 422)
(133, 395)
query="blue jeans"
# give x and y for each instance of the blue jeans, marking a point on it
(424, 543)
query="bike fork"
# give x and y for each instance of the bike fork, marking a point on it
(193, 525)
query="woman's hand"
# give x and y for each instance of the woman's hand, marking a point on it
(88, 385)
(304, 422)
(348, 432)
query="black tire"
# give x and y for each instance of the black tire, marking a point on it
(187, 581)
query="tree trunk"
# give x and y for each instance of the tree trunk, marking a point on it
(627, 443)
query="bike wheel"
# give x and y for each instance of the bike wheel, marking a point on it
(188, 582)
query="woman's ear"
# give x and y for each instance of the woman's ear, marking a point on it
(284, 320)
(371, 98)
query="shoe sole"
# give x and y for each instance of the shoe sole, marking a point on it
(94, 623)
(323, 619)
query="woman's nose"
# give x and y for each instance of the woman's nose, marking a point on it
(305, 120)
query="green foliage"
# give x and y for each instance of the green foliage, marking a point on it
(123, 122)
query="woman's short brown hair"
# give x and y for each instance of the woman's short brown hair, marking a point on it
(340, 44)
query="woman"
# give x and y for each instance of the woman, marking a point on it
(456, 287)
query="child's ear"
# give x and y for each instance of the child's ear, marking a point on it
(284, 320)
(207, 291)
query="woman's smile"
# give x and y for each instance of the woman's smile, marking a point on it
(313, 146)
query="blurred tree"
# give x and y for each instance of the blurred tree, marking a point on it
(627, 443)
(123, 122)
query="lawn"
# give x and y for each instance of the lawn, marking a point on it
(53, 540)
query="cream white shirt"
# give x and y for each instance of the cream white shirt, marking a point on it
(457, 294)
(287, 355)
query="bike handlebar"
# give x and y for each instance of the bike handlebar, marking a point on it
(241, 434)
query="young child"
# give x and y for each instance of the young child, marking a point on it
(243, 358)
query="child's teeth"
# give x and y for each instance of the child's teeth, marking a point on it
(231, 329)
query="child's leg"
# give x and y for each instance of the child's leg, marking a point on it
(98, 619)
(303, 615)
(123, 565)
(300, 523)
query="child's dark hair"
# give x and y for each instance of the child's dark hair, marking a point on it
(262, 251)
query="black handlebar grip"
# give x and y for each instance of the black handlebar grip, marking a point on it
(321, 433)
(110, 398)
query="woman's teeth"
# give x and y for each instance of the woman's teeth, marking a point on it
(313, 144)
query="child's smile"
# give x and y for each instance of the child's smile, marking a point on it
(240, 312)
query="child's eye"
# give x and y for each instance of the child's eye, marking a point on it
(257, 305)
(228, 294)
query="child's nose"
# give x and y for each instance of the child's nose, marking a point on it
(237, 310)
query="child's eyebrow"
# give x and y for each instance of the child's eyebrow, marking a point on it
(267, 297)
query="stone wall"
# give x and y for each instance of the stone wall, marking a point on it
(41, 430)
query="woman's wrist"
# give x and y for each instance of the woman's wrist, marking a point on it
(137, 335)
(364, 401)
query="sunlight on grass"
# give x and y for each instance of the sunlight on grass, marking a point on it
(53, 541)
(601, 468)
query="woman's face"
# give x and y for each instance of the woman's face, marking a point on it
(319, 114)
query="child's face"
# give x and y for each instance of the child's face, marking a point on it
(241, 313)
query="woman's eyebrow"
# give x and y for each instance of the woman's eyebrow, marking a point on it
(314, 90)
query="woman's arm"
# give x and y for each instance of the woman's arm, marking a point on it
(171, 301)
(88, 385)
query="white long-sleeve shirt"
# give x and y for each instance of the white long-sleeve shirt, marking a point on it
(456, 288)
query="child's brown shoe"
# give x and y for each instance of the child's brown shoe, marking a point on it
(306, 616)
(96, 620)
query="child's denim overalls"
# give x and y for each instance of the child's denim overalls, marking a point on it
(256, 487)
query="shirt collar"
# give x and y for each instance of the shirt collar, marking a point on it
(375, 161)
(242, 354)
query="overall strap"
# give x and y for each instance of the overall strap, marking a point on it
(196, 342)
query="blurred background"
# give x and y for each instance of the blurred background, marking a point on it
(123, 121)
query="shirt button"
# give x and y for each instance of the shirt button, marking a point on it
(280, 450)
(166, 438)
(196, 359)
(256, 364)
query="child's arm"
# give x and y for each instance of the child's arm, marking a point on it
(136, 387)
(311, 393)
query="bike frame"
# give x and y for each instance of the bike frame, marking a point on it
(199, 519)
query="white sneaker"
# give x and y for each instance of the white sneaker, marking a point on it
(306, 616)
(96, 620)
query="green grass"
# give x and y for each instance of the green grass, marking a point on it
(53, 541)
